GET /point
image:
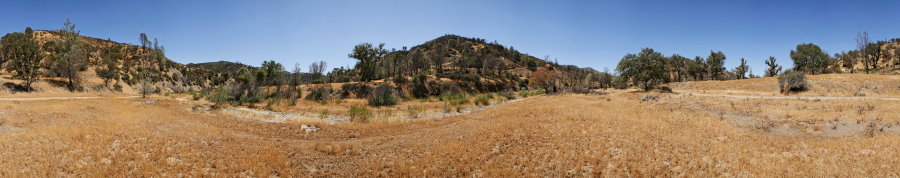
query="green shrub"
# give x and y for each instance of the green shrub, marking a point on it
(321, 93)
(384, 95)
(483, 100)
(454, 99)
(117, 87)
(537, 92)
(792, 81)
(324, 114)
(219, 96)
(197, 95)
(360, 114)
(526, 93)
(249, 99)
(420, 88)
(415, 111)
(400, 80)
(507, 94)
(356, 90)
(523, 93)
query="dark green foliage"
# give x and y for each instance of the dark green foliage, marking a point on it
(420, 88)
(321, 93)
(368, 57)
(117, 87)
(792, 81)
(645, 69)
(810, 58)
(357, 90)
(223, 67)
(272, 73)
(383, 95)
(715, 65)
(454, 99)
(339, 75)
(24, 56)
(69, 57)
(697, 68)
(773, 69)
(109, 68)
(741, 70)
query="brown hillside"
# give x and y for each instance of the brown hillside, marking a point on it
(175, 77)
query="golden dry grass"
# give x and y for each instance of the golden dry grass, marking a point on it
(820, 85)
(565, 135)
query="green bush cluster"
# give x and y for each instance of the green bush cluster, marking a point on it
(360, 114)
(526, 93)
(507, 94)
(484, 100)
(357, 90)
(383, 95)
(455, 99)
(321, 93)
(792, 81)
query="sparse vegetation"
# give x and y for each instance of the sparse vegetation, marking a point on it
(360, 114)
(415, 111)
(735, 128)
(792, 81)
(455, 100)
(639, 136)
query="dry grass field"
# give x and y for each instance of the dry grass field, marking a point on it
(720, 128)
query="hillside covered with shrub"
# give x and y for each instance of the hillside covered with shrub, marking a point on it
(64, 56)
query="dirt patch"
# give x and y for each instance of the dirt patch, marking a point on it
(787, 125)
(8, 129)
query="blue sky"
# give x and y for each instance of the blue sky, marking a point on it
(585, 33)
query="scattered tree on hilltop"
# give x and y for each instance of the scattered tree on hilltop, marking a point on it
(109, 68)
(645, 69)
(24, 56)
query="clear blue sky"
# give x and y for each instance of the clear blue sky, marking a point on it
(585, 33)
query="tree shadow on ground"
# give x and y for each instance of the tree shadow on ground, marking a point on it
(17, 87)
